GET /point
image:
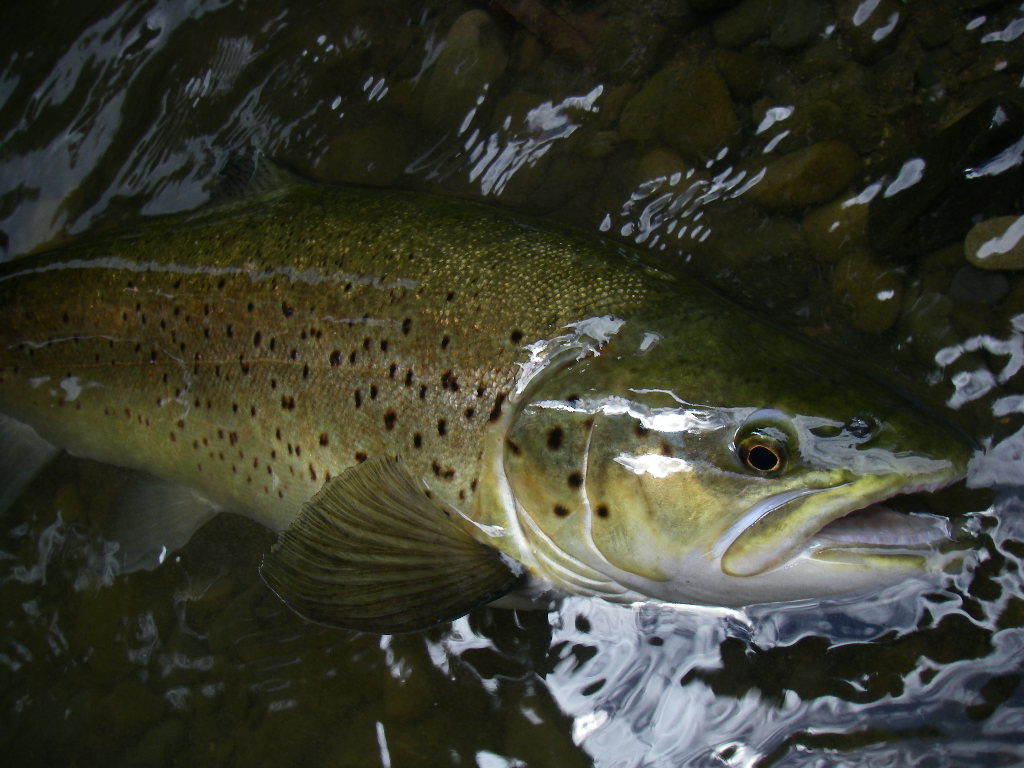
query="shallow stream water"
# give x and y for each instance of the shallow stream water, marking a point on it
(823, 163)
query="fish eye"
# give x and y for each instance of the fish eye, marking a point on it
(762, 453)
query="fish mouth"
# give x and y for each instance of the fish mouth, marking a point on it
(842, 523)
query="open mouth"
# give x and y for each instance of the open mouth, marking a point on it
(879, 527)
(879, 520)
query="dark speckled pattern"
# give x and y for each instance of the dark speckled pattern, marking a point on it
(253, 352)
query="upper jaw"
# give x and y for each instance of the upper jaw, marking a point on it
(787, 524)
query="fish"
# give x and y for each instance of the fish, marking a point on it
(437, 403)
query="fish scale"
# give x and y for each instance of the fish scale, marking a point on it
(256, 357)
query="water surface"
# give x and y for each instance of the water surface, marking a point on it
(822, 163)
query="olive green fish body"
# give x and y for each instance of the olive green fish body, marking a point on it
(616, 430)
(254, 354)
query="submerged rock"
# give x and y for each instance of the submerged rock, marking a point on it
(996, 243)
(963, 173)
(836, 228)
(788, 24)
(809, 176)
(473, 59)
(689, 109)
(870, 291)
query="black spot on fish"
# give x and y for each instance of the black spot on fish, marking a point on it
(373, 391)
(324, 440)
(312, 472)
(602, 510)
(513, 446)
(515, 337)
(442, 427)
(360, 457)
(450, 381)
(560, 510)
(417, 440)
(406, 326)
(408, 378)
(335, 358)
(366, 343)
(383, 345)
(555, 438)
(666, 450)
(305, 371)
(495, 413)
(352, 358)
(358, 398)
(288, 402)
(229, 331)
(640, 429)
(286, 309)
(444, 342)
(423, 392)
(389, 420)
(470, 412)
(575, 480)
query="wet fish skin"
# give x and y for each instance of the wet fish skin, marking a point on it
(253, 353)
(581, 412)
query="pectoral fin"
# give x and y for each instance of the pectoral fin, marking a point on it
(372, 552)
(22, 454)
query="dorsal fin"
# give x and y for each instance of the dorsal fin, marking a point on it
(371, 551)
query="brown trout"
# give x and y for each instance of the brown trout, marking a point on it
(437, 402)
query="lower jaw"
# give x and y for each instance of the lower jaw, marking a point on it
(892, 559)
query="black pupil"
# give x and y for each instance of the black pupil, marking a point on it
(762, 458)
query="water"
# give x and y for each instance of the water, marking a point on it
(671, 126)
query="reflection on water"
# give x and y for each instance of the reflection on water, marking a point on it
(826, 162)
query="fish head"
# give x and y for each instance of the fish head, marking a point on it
(703, 461)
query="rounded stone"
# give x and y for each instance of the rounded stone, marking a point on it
(689, 109)
(978, 286)
(743, 24)
(698, 116)
(808, 176)
(996, 243)
(472, 60)
(599, 145)
(661, 162)
(872, 29)
(871, 292)
(796, 23)
(836, 228)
